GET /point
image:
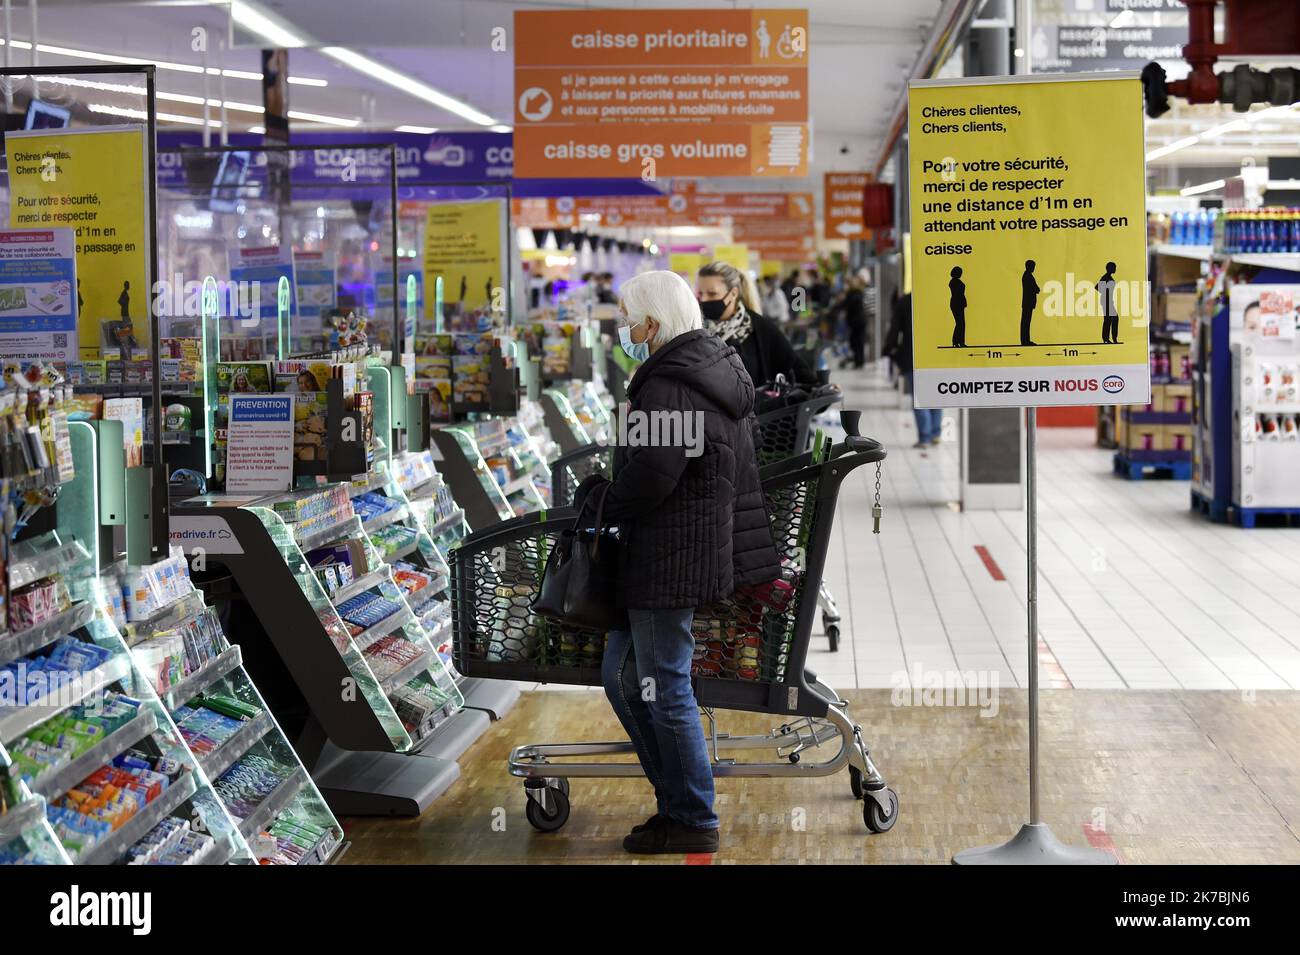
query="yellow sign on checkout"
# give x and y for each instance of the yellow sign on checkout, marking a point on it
(92, 180)
(463, 245)
(1028, 241)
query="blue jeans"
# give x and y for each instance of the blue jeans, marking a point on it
(647, 676)
(929, 421)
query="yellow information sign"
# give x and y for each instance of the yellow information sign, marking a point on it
(687, 264)
(463, 244)
(737, 255)
(92, 180)
(1028, 241)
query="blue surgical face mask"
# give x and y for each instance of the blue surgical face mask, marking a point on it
(637, 351)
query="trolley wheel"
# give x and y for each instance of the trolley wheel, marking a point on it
(855, 783)
(876, 818)
(833, 635)
(563, 784)
(540, 820)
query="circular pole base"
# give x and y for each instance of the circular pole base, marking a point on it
(1034, 845)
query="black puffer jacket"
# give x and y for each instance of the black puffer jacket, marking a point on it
(694, 526)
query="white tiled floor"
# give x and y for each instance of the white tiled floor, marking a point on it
(1135, 590)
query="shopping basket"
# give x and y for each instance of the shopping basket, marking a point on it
(570, 470)
(749, 655)
(784, 432)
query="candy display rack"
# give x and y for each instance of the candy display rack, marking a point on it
(101, 728)
(227, 725)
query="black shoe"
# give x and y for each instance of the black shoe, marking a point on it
(658, 819)
(671, 837)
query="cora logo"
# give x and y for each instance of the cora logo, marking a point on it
(1112, 384)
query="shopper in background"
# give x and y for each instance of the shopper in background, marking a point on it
(774, 304)
(898, 348)
(605, 289)
(694, 527)
(852, 308)
(733, 317)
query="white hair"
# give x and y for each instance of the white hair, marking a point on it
(665, 297)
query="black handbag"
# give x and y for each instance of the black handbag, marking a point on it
(579, 582)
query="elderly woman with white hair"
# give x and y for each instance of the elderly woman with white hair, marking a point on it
(694, 527)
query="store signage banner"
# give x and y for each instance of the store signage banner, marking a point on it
(259, 450)
(463, 243)
(842, 197)
(1116, 48)
(337, 159)
(1029, 266)
(92, 181)
(38, 296)
(654, 93)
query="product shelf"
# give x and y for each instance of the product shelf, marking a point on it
(165, 618)
(452, 520)
(215, 669)
(383, 520)
(402, 552)
(322, 536)
(16, 721)
(239, 743)
(368, 582)
(134, 829)
(274, 804)
(332, 626)
(26, 642)
(394, 621)
(29, 813)
(408, 673)
(28, 570)
(54, 783)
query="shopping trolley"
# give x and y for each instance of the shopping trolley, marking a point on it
(749, 654)
(783, 433)
(570, 470)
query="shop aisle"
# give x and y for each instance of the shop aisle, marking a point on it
(1136, 591)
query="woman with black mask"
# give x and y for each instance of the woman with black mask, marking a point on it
(731, 314)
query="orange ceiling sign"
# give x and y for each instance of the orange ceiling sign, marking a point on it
(661, 37)
(657, 93)
(767, 206)
(843, 194)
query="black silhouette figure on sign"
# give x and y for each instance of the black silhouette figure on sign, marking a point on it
(81, 302)
(1109, 313)
(464, 287)
(1028, 299)
(124, 301)
(957, 302)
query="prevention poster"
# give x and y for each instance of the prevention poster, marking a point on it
(259, 450)
(463, 243)
(93, 182)
(38, 296)
(1029, 243)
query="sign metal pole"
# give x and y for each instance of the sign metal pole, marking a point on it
(1035, 843)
